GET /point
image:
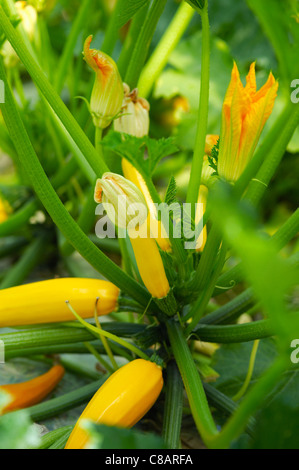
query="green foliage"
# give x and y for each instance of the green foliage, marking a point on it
(104, 437)
(16, 430)
(134, 150)
(171, 191)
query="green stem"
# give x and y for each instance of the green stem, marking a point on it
(67, 55)
(167, 44)
(56, 336)
(66, 402)
(51, 95)
(247, 380)
(100, 333)
(231, 310)
(201, 304)
(51, 437)
(226, 334)
(111, 33)
(261, 154)
(85, 221)
(193, 385)
(32, 255)
(131, 39)
(54, 206)
(280, 239)
(225, 404)
(105, 343)
(202, 123)
(207, 260)
(250, 404)
(143, 42)
(259, 184)
(60, 443)
(173, 410)
(18, 219)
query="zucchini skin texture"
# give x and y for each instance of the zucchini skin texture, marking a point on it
(33, 391)
(122, 400)
(44, 302)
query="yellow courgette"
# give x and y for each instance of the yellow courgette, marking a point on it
(44, 302)
(123, 399)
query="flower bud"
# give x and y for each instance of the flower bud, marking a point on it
(134, 119)
(122, 200)
(207, 172)
(107, 94)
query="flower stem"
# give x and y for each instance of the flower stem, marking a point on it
(247, 380)
(131, 39)
(67, 54)
(202, 123)
(167, 44)
(143, 42)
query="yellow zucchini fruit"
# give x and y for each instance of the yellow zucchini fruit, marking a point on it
(45, 301)
(122, 400)
(133, 175)
(33, 391)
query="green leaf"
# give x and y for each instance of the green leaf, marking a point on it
(104, 437)
(16, 429)
(277, 423)
(171, 191)
(134, 150)
(231, 363)
(128, 10)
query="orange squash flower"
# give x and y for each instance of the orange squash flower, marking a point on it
(108, 92)
(244, 115)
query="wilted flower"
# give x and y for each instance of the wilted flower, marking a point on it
(134, 119)
(107, 94)
(245, 112)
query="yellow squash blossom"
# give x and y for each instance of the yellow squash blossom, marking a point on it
(244, 115)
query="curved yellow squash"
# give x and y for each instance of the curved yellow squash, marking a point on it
(123, 399)
(33, 391)
(44, 302)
